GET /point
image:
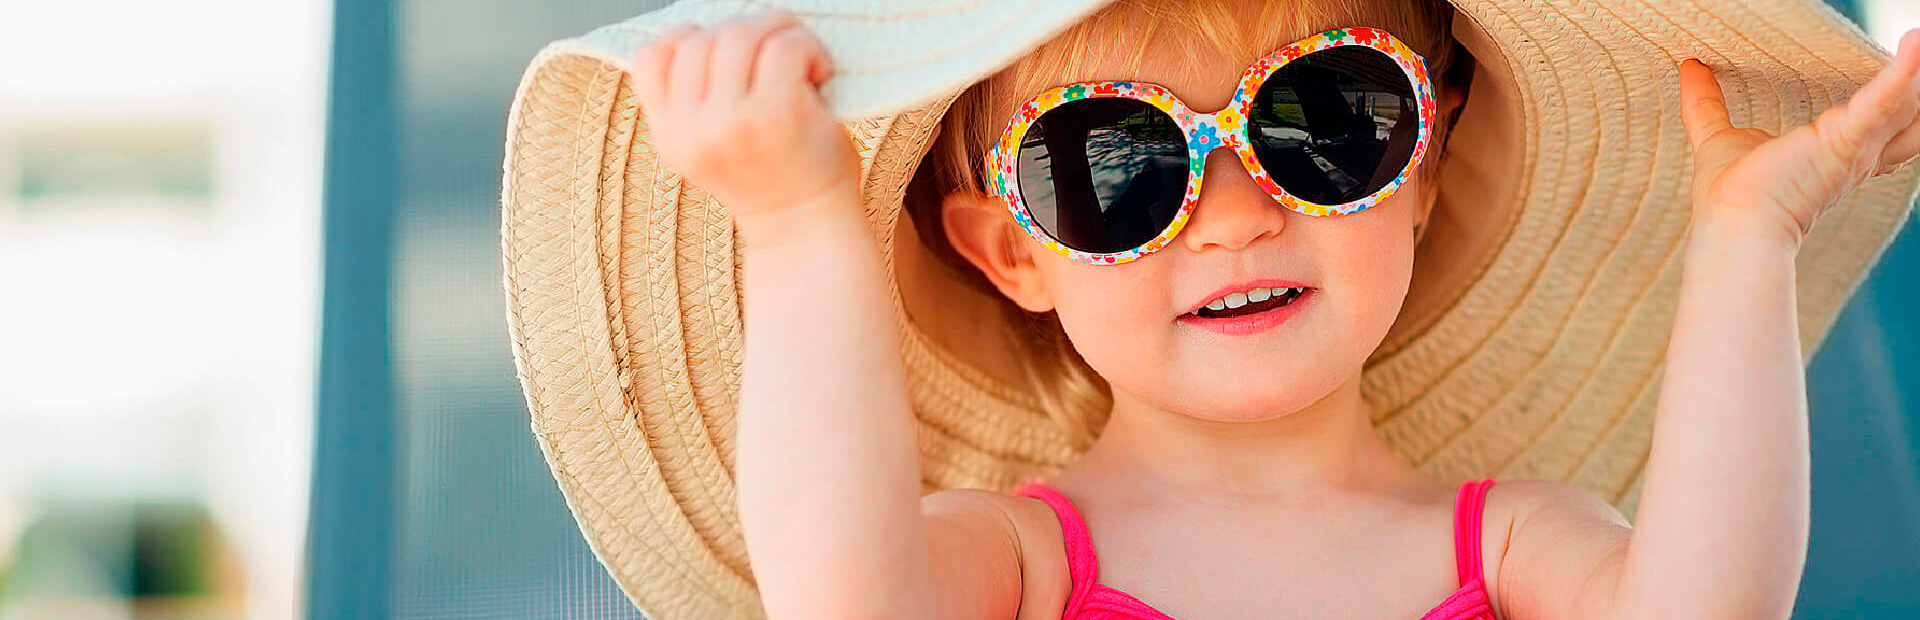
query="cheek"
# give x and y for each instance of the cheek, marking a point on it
(1115, 314)
(1371, 263)
(1119, 318)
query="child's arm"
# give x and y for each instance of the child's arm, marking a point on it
(1722, 526)
(828, 469)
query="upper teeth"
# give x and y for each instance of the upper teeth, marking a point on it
(1235, 300)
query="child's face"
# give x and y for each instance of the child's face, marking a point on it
(1127, 320)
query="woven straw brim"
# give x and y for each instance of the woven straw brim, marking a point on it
(625, 314)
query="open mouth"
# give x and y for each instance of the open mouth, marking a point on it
(1279, 300)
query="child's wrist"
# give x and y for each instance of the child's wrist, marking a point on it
(1732, 245)
(831, 218)
(1736, 226)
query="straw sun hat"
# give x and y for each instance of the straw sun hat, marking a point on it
(1530, 345)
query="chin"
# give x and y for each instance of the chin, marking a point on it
(1239, 397)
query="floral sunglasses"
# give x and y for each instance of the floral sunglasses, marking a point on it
(1108, 172)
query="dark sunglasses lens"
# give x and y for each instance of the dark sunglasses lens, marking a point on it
(1103, 175)
(1335, 125)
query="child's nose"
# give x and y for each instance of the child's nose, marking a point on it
(1234, 211)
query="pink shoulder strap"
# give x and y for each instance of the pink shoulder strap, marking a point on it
(1466, 529)
(1082, 567)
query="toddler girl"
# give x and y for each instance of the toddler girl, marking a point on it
(1222, 332)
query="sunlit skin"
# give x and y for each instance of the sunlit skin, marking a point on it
(1239, 475)
(1123, 318)
(1264, 437)
(1173, 381)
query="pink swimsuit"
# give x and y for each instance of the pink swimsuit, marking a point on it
(1091, 600)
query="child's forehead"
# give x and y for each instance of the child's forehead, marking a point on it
(1200, 58)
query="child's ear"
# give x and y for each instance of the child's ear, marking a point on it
(1450, 101)
(980, 230)
(1430, 193)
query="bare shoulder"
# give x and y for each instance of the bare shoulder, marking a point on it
(1535, 533)
(1546, 498)
(989, 545)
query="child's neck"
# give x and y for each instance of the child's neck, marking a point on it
(1329, 445)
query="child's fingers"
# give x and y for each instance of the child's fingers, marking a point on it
(1703, 107)
(651, 64)
(1877, 111)
(791, 57)
(820, 69)
(688, 79)
(736, 45)
(1901, 149)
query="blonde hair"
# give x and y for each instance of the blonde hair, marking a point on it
(1072, 394)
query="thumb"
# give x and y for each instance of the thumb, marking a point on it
(1703, 107)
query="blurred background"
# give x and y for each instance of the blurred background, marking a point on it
(273, 229)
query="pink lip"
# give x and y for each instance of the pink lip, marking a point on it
(1253, 323)
(1235, 288)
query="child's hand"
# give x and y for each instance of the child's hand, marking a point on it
(736, 109)
(1785, 183)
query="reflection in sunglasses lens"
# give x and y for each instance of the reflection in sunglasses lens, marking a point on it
(1327, 126)
(1103, 175)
